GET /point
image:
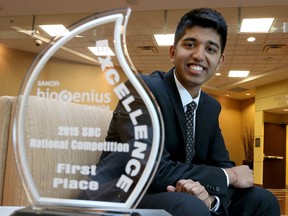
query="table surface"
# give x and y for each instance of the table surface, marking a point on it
(8, 210)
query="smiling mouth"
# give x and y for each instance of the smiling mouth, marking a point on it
(196, 68)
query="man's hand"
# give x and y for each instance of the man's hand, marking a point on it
(193, 188)
(240, 176)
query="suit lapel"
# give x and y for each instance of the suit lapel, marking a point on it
(201, 136)
(175, 100)
(202, 121)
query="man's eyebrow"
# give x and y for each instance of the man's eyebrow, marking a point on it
(209, 41)
(214, 44)
(189, 39)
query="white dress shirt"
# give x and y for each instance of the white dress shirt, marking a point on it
(186, 98)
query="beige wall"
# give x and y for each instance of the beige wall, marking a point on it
(75, 77)
(13, 66)
(235, 114)
(234, 117)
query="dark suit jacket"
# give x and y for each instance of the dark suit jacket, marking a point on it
(210, 151)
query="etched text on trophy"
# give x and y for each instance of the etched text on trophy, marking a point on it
(75, 131)
(74, 169)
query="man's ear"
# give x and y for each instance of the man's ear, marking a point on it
(172, 53)
(221, 60)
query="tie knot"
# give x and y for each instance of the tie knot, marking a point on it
(191, 106)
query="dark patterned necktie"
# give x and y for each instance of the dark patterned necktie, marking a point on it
(190, 149)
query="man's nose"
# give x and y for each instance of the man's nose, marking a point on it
(198, 53)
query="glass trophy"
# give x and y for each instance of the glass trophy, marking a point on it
(74, 155)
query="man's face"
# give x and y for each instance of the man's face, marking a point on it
(196, 57)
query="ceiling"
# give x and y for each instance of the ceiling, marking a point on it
(266, 58)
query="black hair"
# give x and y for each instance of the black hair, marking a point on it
(204, 17)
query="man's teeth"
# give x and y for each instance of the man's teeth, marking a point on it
(194, 67)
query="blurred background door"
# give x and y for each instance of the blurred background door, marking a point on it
(274, 155)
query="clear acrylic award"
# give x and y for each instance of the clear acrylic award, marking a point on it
(73, 154)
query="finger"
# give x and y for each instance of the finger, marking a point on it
(202, 195)
(196, 190)
(180, 185)
(171, 188)
(190, 186)
(199, 191)
(186, 187)
(195, 187)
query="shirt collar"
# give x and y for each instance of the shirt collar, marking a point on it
(186, 98)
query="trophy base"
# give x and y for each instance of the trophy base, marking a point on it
(29, 211)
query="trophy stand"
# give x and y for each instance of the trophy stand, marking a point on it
(28, 211)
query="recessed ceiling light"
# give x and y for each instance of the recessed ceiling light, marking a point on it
(54, 30)
(102, 48)
(164, 39)
(256, 25)
(101, 51)
(251, 39)
(218, 74)
(238, 73)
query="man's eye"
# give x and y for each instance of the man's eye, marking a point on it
(189, 44)
(211, 50)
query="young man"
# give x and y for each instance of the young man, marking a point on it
(210, 176)
(206, 181)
